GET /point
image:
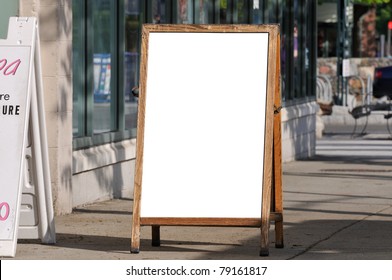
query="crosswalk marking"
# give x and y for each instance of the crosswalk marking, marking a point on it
(354, 147)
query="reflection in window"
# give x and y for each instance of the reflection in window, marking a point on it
(256, 12)
(223, 12)
(158, 11)
(203, 11)
(184, 11)
(242, 12)
(296, 49)
(101, 51)
(131, 60)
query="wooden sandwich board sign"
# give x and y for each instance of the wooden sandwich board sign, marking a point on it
(26, 209)
(206, 150)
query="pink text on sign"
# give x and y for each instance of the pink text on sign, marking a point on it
(9, 68)
(4, 206)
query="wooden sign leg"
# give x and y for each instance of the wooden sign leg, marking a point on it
(278, 209)
(135, 238)
(156, 236)
(265, 224)
(277, 161)
(264, 250)
(265, 216)
(135, 241)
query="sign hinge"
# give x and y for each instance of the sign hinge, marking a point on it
(277, 109)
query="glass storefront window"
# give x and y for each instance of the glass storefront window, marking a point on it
(78, 47)
(327, 26)
(296, 48)
(106, 53)
(103, 109)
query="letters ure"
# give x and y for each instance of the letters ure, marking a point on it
(11, 110)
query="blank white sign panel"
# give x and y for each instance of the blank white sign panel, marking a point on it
(204, 128)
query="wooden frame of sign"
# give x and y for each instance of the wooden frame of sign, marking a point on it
(208, 148)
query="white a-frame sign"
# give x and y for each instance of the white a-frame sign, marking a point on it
(26, 209)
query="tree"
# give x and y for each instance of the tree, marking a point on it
(384, 12)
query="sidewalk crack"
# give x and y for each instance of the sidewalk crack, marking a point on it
(336, 232)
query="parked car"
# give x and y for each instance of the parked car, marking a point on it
(382, 83)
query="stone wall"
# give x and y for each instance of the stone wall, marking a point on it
(55, 31)
(299, 131)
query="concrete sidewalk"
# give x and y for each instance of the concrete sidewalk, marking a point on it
(336, 206)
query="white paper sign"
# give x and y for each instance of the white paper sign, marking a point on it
(346, 68)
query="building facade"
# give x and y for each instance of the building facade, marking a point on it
(90, 58)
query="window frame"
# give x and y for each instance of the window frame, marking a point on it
(85, 82)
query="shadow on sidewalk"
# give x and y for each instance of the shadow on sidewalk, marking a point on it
(333, 239)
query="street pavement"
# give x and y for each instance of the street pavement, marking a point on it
(337, 206)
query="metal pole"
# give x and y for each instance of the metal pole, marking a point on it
(389, 43)
(382, 45)
(340, 50)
